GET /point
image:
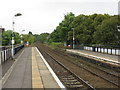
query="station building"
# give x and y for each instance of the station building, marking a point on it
(1, 31)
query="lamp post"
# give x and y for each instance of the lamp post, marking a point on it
(18, 14)
(73, 38)
(22, 36)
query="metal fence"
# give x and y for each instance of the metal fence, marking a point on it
(103, 50)
(6, 54)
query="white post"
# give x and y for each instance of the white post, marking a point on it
(13, 39)
(73, 39)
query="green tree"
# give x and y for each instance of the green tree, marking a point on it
(88, 29)
(60, 34)
(17, 38)
(7, 37)
(29, 38)
(107, 33)
(36, 37)
(43, 37)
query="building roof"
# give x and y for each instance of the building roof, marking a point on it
(2, 29)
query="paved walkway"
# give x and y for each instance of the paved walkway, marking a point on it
(21, 76)
(30, 71)
(9, 63)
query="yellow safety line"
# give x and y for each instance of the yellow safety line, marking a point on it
(36, 77)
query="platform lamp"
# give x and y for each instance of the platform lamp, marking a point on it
(18, 14)
(22, 36)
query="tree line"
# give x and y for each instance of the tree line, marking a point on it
(96, 29)
(7, 37)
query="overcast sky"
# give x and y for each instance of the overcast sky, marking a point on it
(39, 16)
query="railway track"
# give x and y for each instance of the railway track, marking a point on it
(68, 79)
(106, 75)
(109, 71)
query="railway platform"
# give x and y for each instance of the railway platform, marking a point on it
(113, 59)
(30, 70)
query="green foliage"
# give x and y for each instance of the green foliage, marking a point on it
(17, 38)
(36, 37)
(107, 33)
(60, 34)
(25, 38)
(56, 45)
(89, 29)
(43, 37)
(99, 29)
(7, 37)
(29, 38)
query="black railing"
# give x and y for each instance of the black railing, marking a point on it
(6, 53)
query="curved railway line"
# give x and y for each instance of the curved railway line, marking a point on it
(75, 75)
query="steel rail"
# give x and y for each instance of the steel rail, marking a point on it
(117, 76)
(76, 76)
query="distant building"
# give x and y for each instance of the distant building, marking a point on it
(2, 30)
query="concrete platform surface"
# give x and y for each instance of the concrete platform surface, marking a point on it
(48, 80)
(107, 57)
(20, 74)
(32, 72)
